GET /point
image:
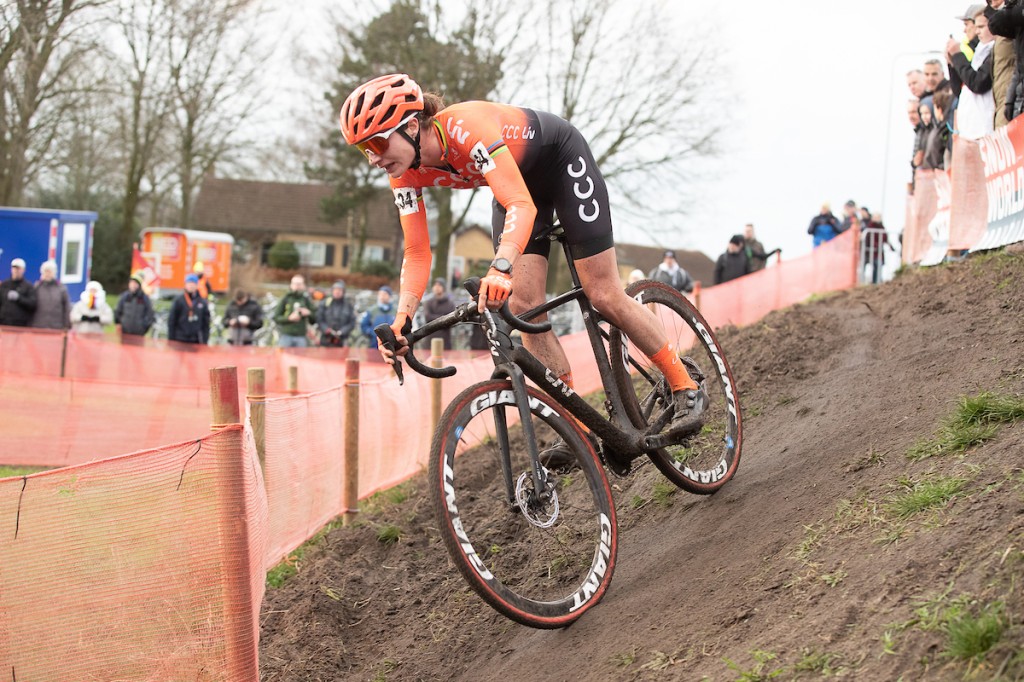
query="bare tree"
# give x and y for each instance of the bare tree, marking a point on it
(215, 56)
(646, 97)
(143, 102)
(39, 52)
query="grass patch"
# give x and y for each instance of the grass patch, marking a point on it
(925, 495)
(9, 471)
(663, 493)
(625, 659)
(280, 574)
(389, 534)
(970, 637)
(391, 497)
(760, 671)
(817, 662)
(975, 420)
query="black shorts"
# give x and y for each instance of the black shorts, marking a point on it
(563, 180)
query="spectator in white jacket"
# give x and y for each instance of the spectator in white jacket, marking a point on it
(975, 113)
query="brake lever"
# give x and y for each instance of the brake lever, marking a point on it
(386, 336)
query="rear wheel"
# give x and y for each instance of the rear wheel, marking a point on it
(704, 462)
(540, 557)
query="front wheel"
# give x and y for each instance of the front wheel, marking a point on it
(540, 555)
(704, 462)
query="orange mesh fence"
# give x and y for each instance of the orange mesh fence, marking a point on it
(32, 352)
(830, 267)
(158, 572)
(916, 239)
(56, 422)
(968, 200)
(304, 466)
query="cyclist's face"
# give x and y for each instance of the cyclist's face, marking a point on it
(399, 154)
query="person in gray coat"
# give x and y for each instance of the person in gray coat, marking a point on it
(53, 306)
(669, 272)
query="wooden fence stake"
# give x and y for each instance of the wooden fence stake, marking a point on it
(257, 397)
(224, 397)
(293, 379)
(350, 484)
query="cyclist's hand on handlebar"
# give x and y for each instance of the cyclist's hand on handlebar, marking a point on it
(401, 326)
(495, 289)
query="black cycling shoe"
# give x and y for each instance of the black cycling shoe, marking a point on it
(559, 457)
(690, 411)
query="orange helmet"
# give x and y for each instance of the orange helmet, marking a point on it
(378, 106)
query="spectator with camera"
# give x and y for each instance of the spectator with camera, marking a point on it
(971, 80)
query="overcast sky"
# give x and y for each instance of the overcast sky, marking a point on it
(819, 106)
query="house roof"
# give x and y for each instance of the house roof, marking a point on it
(646, 258)
(251, 206)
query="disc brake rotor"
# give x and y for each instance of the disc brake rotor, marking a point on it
(540, 512)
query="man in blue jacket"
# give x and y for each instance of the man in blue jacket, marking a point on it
(382, 313)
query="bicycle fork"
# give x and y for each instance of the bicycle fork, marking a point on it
(538, 474)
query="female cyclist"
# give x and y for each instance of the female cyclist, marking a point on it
(537, 165)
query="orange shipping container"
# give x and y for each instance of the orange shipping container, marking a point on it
(180, 250)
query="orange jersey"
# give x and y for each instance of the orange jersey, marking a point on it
(483, 143)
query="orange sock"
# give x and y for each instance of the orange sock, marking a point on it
(675, 372)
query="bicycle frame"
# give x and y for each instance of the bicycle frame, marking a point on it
(623, 441)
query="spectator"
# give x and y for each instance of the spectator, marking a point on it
(53, 306)
(970, 38)
(92, 312)
(1004, 64)
(635, 276)
(439, 304)
(915, 83)
(336, 318)
(134, 310)
(294, 314)
(934, 80)
(849, 211)
(732, 264)
(669, 272)
(976, 117)
(755, 249)
(1008, 21)
(940, 136)
(932, 154)
(917, 158)
(17, 297)
(242, 317)
(824, 226)
(875, 238)
(382, 313)
(189, 321)
(203, 289)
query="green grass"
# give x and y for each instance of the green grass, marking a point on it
(389, 534)
(970, 637)
(663, 493)
(975, 420)
(924, 495)
(280, 574)
(8, 471)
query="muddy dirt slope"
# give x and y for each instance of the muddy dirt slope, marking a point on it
(831, 554)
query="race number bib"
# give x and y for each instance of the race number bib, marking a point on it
(406, 200)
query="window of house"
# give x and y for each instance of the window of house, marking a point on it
(312, 254)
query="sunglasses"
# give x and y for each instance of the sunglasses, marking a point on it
(379, 143)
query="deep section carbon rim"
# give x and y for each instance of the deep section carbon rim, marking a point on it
(540, 557)
(707, 460)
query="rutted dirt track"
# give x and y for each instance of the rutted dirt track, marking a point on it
(798, 565)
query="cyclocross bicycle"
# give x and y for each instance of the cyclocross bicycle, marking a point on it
(539, 544)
